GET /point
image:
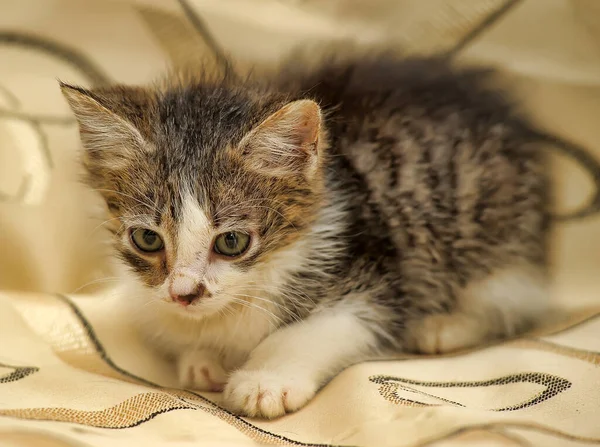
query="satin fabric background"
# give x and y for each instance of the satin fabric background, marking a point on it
(72, 372)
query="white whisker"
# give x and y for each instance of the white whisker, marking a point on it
(96, 281)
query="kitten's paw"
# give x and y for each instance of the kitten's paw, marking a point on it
(267, 394)
(441, 333)
(201, 370)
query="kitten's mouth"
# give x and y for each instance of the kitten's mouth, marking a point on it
(197, 308)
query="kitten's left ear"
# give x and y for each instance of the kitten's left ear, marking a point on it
(287, 142)
(110, 121)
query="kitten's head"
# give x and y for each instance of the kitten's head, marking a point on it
(211, 188)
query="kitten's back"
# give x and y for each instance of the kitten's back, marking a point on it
(448, 190)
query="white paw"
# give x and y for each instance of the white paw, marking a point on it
(267, 394)
(438, 334)
(201, 370)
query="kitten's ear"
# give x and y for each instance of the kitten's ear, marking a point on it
(287, 142)
(107, 123)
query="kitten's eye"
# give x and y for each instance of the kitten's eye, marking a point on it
(232, 244)
(146, 240)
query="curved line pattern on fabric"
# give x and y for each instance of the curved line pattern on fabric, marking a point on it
(588, 163)
(62, 52)
(59, 50)
(502, 427)
(554, 385)
(20, 372)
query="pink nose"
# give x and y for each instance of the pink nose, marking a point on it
(189, 298)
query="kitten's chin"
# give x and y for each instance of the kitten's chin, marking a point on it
(196, 311)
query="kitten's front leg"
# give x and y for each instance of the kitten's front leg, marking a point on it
(201, 370)
(285, 371)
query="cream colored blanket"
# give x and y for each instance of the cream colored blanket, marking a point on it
(72, 372)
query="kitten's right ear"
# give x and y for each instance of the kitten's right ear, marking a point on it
(108, 136)
(288, 142)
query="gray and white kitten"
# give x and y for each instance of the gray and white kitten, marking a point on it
(281, 228)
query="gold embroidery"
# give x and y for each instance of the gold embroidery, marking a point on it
(19, 372)
(554, 385)
(129, 413)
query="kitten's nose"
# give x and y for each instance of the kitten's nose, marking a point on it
(185, 299)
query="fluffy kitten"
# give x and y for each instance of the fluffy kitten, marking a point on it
(283, 228)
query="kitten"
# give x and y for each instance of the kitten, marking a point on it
(280, 229)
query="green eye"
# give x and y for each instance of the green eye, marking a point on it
(232, 244)
(146, 240)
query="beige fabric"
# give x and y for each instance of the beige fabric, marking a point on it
(72, 372)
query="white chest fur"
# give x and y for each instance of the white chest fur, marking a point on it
(231, 335)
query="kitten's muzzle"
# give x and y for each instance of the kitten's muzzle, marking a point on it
(185, 299)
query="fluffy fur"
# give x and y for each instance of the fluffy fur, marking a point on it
(392, 205)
